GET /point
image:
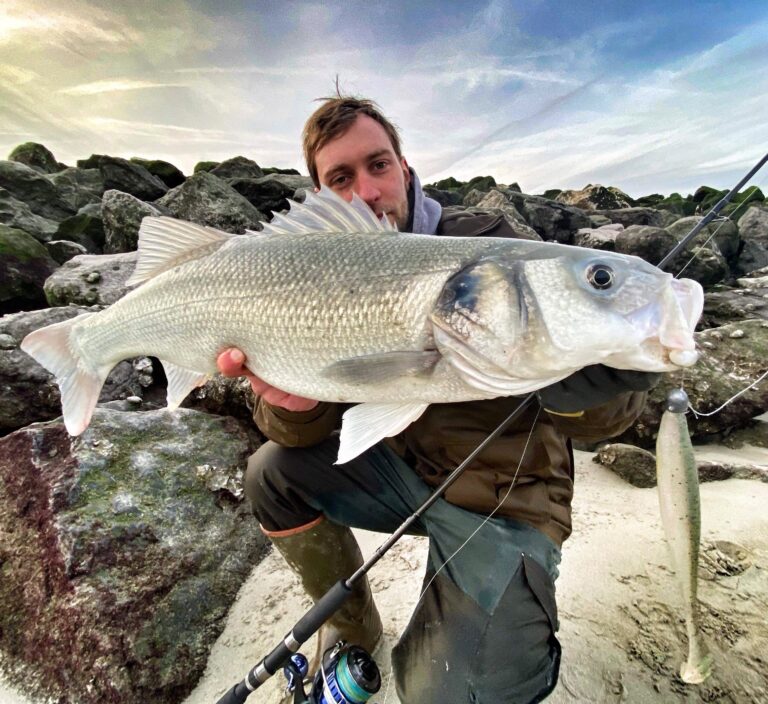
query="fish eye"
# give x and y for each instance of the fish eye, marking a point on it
(600, 276)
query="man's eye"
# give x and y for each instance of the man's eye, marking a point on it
(338, 180)
(380, 165)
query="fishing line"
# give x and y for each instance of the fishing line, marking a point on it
(489, 516)
(733, 398)
(726, 218)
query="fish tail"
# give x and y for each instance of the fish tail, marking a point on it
(80, 385)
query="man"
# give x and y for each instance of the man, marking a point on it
(485, 629)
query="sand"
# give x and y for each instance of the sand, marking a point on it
(621, 617)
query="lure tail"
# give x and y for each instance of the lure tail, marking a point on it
(79, 383)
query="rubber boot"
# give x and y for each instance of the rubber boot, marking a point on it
(322, 555)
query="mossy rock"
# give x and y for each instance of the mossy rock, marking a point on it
(675, 203)
(552, 193)
(447, 184)
(35, 156)
(170, 175)
(205, 166)
(24, 266)
(275, 170)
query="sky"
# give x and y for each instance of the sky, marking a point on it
(651, 97)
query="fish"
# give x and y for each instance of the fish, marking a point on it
(678, 490)
(332, 303)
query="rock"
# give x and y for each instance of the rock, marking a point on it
(79, 187)
(634, 216)
(726, 242)
(726, 366)
(205, 166)
(237, 167)
(473, 198)
(62, 251)
(267, 195)
(603, 238)
(207, 200)
(36, 156)
(85, 228)
(34, 189)
(73, 281)
(298, 183)
(17, 214)
(596, 221)
(650, 201)
(596, 197)
(552, 220)
(702, 264)
(122, 552)
(495, 201)
(753, 228)
(29, 392)
(676, 205)
(633, 464)
(122, 215)
(123, 175)
(748, 299)
(225, 396)
(275, 170)
(24, 266)
(650, 243)
(444, 197)
(164, 170)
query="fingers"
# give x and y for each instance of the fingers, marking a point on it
(230, 362)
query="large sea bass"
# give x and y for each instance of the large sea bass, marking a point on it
(330, 303)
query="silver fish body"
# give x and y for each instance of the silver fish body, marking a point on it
(678, 490)
(328, 303)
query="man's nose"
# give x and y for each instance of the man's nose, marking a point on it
(367, 189)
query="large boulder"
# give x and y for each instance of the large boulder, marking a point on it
(603, 237)
(37, 157)
(747, 298)
(123, 175)
(17, 214)
(122, 214)
(596, 197)
(237, 167)
(24, 266)
(78, 187)
(91, 279)
(63, 250)
(633, 464)
(29, 392)
(267, 194)
(170, 175)
(703, 264)
(497, 202)
(726, 240)
(34, 189)
(635, 216)
(553, 221)
(208, 200)
(85, 228)
(732, 358)
(753, 228)
(122, 552)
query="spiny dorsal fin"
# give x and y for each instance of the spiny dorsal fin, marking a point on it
(327, 212)
(165, 242)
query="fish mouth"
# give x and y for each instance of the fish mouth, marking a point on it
(665, 327)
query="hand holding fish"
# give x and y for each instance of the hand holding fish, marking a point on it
(593, 386)
(231, 362)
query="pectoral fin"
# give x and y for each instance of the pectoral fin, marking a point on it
(364, 425)
(382, 368)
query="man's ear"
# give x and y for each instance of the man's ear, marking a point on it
(406, 172)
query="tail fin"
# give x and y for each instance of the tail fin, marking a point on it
(80, 387)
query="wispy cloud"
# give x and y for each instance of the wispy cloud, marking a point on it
(113, 86)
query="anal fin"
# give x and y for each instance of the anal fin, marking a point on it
(180, 382)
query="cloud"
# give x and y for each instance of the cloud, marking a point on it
(111, 86)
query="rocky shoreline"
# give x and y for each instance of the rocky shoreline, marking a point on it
(121, 551)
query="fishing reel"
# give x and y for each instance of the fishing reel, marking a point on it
(349, 675)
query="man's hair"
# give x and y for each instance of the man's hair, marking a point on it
(333, 118)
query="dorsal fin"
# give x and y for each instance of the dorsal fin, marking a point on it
(325, 211)
(165, 242)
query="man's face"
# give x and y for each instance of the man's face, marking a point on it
(363, 161)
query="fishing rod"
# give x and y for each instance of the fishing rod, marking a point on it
(355, 671)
